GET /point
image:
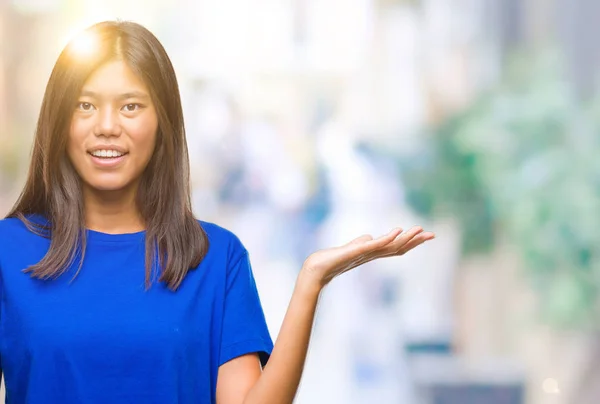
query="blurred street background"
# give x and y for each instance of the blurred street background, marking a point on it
(311, 122)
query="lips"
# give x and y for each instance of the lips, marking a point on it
(108, 147)
(107, 162)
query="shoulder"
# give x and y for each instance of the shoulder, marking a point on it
(223, 240)
(11, 227)
(15, 227)
(14, 235)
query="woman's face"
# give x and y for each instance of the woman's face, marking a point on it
(113, 129)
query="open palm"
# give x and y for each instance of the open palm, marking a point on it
(326, 264)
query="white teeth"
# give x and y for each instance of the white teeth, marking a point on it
(107, 153)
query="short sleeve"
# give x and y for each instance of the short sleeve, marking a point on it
(1, 310)
(244, 326)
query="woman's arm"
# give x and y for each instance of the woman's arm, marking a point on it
(240, 380)
(281, 377)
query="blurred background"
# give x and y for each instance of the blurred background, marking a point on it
(311, 122)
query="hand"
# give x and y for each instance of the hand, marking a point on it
(324, 265)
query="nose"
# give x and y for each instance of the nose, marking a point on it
(108, 123)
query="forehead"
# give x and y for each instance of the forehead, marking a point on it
(114, 78)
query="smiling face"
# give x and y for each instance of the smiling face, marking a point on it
(113, 130)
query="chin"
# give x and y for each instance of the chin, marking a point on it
(106, 186)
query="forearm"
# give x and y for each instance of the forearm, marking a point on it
(280, 379)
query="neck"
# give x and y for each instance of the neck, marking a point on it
(113, 212)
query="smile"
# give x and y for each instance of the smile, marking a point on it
(107, 158)
(107, 153)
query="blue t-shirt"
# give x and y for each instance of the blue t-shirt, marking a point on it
(101, 337)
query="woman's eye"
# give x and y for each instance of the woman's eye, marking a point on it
(85, 106)
(131, 107)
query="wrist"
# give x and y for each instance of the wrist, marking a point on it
(307, 283)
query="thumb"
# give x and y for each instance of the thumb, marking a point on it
(362, 239)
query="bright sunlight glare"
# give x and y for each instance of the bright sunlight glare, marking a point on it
(84, 44)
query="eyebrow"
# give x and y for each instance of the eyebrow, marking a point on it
(123, 96)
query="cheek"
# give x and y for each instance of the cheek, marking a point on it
(143, 136)
(75, 140)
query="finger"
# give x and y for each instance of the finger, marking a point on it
(400, 245)
(416, 241)
(359, 246)
(366, 244)
(401, 241)
(413, 231)
(362, 239)
(373, 248)
(405, 237)
(386, 238)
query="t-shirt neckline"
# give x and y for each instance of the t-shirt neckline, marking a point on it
(94, 235)
(98, 236)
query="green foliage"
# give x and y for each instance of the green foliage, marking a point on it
(524, 162)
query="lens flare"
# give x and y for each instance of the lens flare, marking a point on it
(84, 44)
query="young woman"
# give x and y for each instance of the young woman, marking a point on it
(111, 291)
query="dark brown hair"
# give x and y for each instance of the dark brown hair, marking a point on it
(175, 241)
